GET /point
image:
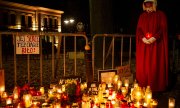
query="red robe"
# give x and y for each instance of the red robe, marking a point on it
(152, 59)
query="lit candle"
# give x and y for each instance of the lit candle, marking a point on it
(59, 90)
(58, 95)
(82, 87)
(148, 95)
(4, 95)
(35, 104)
(103, 86)
(57, 105)
(171, 102)
(124, 91)
(85, 85)
(137, 104)
(19, 105)
(27, 98)
(102, 105)
(115, 79)
(50, 93)
(109, 85)
(126, 83)
(41, 90)
(2, 89)
(2, 81)
(154, 103)
(138, 95)
(119, 83)
(8, 101)
(63, 88)
(84, 104)
(145, 105)
(15, 96)
(148, 35)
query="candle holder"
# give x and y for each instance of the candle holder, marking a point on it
(171, 102)
(27, 98)
(154, 103)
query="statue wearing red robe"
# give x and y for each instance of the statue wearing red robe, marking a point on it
(152, 59)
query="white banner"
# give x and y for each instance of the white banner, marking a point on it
(27, 44)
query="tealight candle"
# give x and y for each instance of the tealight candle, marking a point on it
(171, 102)
(8, 101)
(154, 103)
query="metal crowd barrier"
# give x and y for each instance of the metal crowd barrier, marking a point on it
(54, 36)
(109, 43)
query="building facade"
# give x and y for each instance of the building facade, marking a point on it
(20, 17)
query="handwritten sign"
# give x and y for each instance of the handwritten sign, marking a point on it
(125, 72)
(27, 44)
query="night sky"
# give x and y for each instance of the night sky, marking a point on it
(125, 12)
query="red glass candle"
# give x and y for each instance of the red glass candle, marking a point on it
(148, 35)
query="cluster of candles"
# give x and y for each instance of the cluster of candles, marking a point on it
(117, 94)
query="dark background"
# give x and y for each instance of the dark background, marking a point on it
(125, 12)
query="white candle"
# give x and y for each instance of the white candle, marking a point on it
(171, 102)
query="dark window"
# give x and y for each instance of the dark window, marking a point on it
(45, 22)
(55, 23)
(13, 19)
(29, 21)
(23, 20)
(5, 18)
(50, 22)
